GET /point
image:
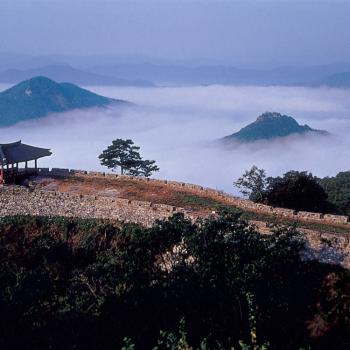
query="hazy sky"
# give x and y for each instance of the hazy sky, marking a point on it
(280, 31)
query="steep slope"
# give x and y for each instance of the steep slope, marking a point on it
(40, 96)
(271, 125)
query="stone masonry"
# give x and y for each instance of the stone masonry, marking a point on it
(229, 199)
(17, 200)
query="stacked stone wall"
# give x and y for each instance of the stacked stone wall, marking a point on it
(16, 200)
(215, 194)
(23, 201)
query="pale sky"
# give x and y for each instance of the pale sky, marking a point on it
(257, 32)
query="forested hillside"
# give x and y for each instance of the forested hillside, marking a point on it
(39, 96)
(88, 284)
(338, 190)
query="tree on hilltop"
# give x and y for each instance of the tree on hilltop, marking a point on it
(125, 155)
(144, 168)
(297, 190)
(252, 184)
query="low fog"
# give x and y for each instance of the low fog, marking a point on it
(177, 127)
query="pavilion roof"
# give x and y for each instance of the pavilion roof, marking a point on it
(18, 152)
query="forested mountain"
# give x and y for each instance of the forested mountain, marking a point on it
(39, 96)
(270, 125)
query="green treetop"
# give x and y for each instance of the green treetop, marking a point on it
(125, 155)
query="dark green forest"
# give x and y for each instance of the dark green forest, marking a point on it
(338, 191)
(216, 284)
(298, 190)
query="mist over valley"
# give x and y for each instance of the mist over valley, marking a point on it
(178, 127)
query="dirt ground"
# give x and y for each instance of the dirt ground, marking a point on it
(156, 192)
(129, 189)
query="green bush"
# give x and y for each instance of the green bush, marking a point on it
(90, 284)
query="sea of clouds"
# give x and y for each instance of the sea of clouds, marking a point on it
(177, 126)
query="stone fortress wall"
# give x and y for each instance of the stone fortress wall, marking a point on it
(19, 200)
(222, 196)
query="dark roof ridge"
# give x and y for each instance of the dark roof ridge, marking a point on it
(11, 143)
(17, 152)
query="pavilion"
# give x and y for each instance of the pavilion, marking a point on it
(12, 154)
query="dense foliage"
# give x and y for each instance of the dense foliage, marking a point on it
(125, 155)
(298, 190)
(86, 284)
(338, 190)
(253, 184)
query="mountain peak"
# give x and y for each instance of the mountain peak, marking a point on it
(268, 116)
(271, 125)
(40, 80)
(39, 96)
(34, 85)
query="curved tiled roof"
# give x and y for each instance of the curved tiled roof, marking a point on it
(18, 152)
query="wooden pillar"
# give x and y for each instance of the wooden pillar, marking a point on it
(26, 167)
(12, 172)
(36, 166)
(5, 172)
(2, 175)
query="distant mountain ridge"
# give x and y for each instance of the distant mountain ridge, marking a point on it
(136, 70)
(221, 74)
(271, 125)
(339, 80)
(39, 96)
(67, 73)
